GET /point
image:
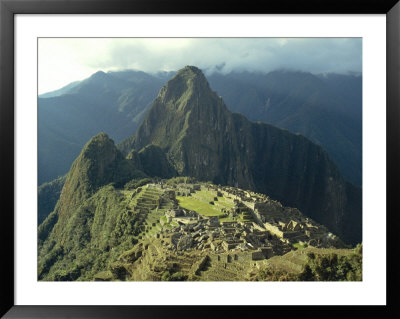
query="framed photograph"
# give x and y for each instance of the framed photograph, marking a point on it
(244, 151)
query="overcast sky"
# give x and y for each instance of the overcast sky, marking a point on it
(64, 60)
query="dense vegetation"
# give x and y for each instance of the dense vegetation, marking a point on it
(90, 224)
(333, 267)
(48, 195)
(96, 233)
(320, 267)
(137, 182)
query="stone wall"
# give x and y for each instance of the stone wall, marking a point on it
(274, 229)
(257, 255)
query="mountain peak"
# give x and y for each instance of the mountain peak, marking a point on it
(186, 101)
(191, 73)
(186, 82)
(191, 69)
(99, 145)
(98, 164)
(98, 75)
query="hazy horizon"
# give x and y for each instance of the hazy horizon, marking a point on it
(65, 60)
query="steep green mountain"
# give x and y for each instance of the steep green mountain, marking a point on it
(99, 164)
(202, 138)
(152, 161)
(113, 102)
(326, 109)
(48, 195)
(89, 186)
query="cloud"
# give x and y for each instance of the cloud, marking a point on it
(67, 60)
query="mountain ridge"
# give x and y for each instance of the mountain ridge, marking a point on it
(209, 142)
(270, 98)
(104, 102)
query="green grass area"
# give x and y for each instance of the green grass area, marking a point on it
(208, 196)
(200, 203)
(198, 206)
(298, 246)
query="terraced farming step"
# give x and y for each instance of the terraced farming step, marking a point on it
(219, 274)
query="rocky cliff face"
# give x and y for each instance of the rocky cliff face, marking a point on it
(326, 109)
(202, 138)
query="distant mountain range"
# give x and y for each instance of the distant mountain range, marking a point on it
(67, 118)
(326, 109)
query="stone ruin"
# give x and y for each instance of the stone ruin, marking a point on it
(221, 237)
(273, 230)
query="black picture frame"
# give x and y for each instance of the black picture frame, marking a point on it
(8, 8)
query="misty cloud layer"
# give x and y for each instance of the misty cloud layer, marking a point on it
(82, 57)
